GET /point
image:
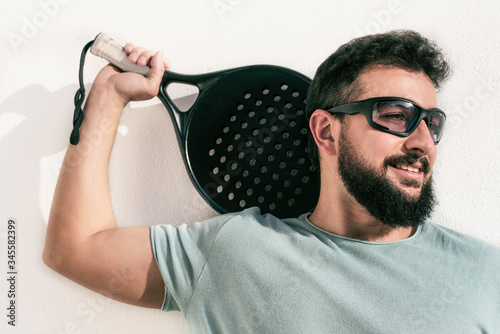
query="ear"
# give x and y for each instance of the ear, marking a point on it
(323, 128)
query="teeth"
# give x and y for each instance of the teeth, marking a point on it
(408, 168)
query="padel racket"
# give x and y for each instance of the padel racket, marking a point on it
(244, 140)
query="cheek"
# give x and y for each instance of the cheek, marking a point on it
(375, 145)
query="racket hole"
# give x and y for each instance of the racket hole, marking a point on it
(281, 117)
(234, 166)
(263, 169)
(287, 183)
(285, 135)
(244, 125)
(237, 136)
(275, 176)
(255, 132)
(272, 206)
(249, 192)
(274, 128)
(215, 171)
(230, 148)
(265, 91)
(282, 165)
(301, 161)
(260, 150)
(227, 177)
(252, 162)
(241, 155)
(220, 189)
(211, 152)
(295, 93)
(300, 112)
(271, 157)
(256, 180)
(284, 86)
(251, 113)
(261, 199)
(278, 146)
(237, 185)
(258, 102)
(292, 124)
(218, 141)
(296, 142)
(304, 131)
(222, 159)
(267, 139)
(313, 168)
(242, 203)
(270, 110)
(225, 129)
(247, 95)
(298, 191)
(230, 196)
(288, 105)
(289, 153)
(262, 120)
(294, 172)
(291, 202)
(232, 118)
(239, 107)
(248, 143)
(245, 173)
(277, 98)
(305, 179)
(268, 187)
(279, 195)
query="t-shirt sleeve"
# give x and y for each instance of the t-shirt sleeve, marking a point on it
(181, 253)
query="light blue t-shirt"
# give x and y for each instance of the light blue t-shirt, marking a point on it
(253, 273)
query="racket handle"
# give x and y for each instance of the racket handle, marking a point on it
(108, 49)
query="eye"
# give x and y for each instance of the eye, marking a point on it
(392, 116)
(392, 112)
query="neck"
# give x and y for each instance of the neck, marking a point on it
(343, 216)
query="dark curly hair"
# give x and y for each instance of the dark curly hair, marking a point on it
(336, 80)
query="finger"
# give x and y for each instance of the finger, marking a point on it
(157, 69)
(128, 48)
(145, 57)
(135, 54)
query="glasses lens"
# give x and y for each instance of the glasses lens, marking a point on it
(436, 125)
(396, 116)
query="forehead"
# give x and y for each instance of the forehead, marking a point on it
(391, 81)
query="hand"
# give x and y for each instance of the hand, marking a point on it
(126, 86)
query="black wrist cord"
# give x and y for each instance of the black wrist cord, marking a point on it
(79, 98)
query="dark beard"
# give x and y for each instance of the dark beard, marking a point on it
(378, 195)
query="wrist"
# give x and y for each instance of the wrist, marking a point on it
(106, 96)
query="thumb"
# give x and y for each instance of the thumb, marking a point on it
(155, 75)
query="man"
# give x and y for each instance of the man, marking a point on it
(365, 261)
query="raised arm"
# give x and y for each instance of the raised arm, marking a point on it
(83, 242)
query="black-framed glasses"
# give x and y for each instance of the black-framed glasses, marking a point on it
(396, 115)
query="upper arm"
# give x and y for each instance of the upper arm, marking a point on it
(118, 263)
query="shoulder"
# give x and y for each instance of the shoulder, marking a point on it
(252, 222)
(460, 244)
(238, 224)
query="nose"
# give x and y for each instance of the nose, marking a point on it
(420, 141)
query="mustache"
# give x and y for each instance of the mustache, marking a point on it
(408, 159)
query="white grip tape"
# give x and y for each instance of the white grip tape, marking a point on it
(113, 52)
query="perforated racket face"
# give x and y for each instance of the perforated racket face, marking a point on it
(246, 143)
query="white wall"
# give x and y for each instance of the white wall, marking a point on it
(40, 43)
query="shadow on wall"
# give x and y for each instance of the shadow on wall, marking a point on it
(147, 174)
